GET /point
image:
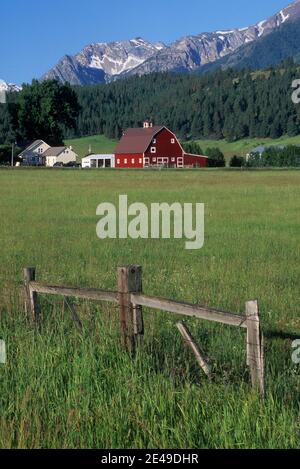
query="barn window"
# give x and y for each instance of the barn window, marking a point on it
(125, 161)
(173, 159)
(154, 141)
(154, 159)
(172, 140)
(153, 150)
(118, 161)
(140, 160)
(132, 161)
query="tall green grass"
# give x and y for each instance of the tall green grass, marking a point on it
(63, 389)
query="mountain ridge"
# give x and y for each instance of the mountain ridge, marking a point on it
(105, 62)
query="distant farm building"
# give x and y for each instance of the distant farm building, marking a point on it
(33, 154)
(98, 161)
(261, 149)
(39, 153)
(154, 146)
(63, 155)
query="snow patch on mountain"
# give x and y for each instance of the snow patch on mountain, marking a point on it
(9, 87)
(225, 32)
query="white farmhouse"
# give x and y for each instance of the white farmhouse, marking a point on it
(62, 155)
(98, 161)
(33, 155)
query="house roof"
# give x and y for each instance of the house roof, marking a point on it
(33, 146)
(98, 156)
(137, 140)
(262, 148)
(259, 149)
(54, 151)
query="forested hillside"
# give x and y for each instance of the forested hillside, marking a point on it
(226, 104)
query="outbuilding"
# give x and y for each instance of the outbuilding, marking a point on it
(98, 161)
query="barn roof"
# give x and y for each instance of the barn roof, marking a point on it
(137, 140)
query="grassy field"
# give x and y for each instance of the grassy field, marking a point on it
(101, 144)
(98, 144)
(242, 147)
(63, 389)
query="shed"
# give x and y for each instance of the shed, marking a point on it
(98, 161)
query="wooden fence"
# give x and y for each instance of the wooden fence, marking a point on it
(130, 298)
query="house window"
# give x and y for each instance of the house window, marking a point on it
(153, 150)
(172, 140)
(118, 161)
(125, 161)
(140, 160)
(132, 160)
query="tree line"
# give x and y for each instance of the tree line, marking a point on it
(227, 104)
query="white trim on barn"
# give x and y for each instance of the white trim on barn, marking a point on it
(99, 161)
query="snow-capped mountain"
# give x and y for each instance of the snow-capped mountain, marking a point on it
(192, 52)
(103, 62)
(9, 86)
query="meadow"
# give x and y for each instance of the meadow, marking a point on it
(97, 143)
(64, 389)
(102, 144)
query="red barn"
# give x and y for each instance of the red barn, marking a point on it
(153, 146)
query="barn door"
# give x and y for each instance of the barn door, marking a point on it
(180, 163)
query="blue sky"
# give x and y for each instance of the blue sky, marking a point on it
(34, 34)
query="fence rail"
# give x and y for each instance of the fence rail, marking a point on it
(83, 293)
(131, 300)
(186, 309)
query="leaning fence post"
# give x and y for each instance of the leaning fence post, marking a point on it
(131, 316)
(30, 297)
(255, 347)
(189, 341)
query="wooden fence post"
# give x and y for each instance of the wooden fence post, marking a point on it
(30, 297)
(189, 341)
(131, 316)
(255, 347)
